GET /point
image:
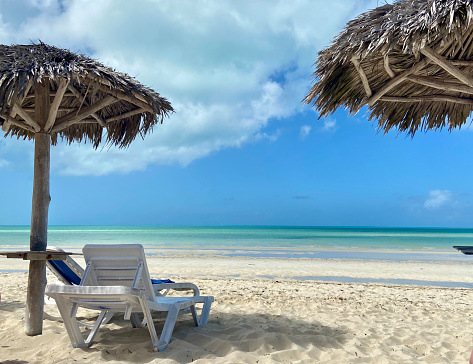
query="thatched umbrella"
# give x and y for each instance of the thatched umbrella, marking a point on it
(411, 62)
(47, 94)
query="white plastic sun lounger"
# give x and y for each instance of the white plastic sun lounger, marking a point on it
(116, 279)
(69, 272)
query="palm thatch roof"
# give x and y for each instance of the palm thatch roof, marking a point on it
(85, 97)
(411, 62)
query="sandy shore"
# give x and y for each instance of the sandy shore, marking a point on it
(262, 314)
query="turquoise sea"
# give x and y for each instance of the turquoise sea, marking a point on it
(422, 244)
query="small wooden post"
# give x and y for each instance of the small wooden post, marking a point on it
(39, 215)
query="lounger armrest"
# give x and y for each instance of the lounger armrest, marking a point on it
(176, 286)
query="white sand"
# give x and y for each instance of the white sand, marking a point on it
(271, 320)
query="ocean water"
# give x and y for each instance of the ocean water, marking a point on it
(431, 244)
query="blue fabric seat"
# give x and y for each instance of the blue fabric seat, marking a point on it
(67, 274)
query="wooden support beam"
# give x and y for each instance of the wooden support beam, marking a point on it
(125, 115)
(78, 95)
(107, 86)
(93, 93)
(63, 109)
(387, 67)
(73, 118)
(364, 79)
(61, 89)
(83, 121)
(30, 124)
(458, 62)
(27, 90)
(130, 99)
(7, 125)
(396, 81)
(75, 91)
(26, 117)
(53, 93)
(33, 124)
(15, 121)
(88, 121)
(22, 125)
(402, 77)
(441, 85)
(429, 98)
(83, 100)
(447, 66)
(137, 99)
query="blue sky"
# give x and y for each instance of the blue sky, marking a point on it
(241, 148)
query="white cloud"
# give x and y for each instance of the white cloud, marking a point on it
(265, 136)
(439, 199)
(3, 163)
(228, 67)
(329, 125)
(305, 131)
(3, 30)
(194, 131)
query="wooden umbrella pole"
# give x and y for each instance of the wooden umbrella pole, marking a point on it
(38, 235)
(39, 214)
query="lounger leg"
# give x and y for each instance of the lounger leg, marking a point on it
(72, 327)
(150, 324)
(95, 329)
(135, 320)
(168, 326)
(108, 317)
(194, 315)
(68, 311)
(204, 315)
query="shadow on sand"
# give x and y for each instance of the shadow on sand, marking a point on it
(225, 334)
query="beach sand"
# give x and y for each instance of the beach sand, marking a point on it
(262, 314)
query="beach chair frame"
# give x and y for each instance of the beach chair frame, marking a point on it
(116, 279)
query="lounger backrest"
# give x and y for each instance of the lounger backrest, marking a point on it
(63, 272)
(117, 265)
(67, 271)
